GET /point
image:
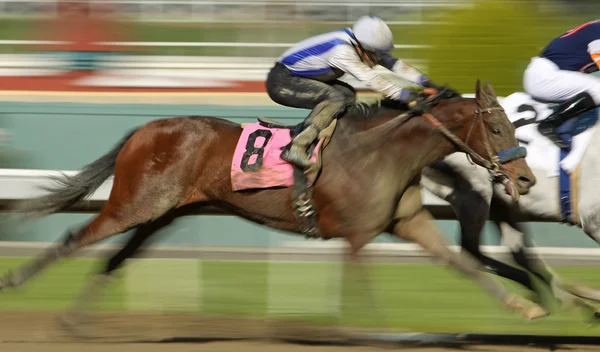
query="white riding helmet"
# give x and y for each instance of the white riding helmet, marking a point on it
(373, 34)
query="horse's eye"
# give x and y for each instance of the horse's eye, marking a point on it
(495, 131)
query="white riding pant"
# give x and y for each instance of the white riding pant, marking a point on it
(544, 80)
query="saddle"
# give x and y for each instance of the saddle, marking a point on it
(567, 129)
(304, 209)
(544, 101)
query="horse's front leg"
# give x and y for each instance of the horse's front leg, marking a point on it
(472, 209)
(420, 228)
(470, 195)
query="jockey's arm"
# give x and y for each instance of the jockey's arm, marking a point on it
(407, 72)
(403, 70)
(346, 59)
(594, 50)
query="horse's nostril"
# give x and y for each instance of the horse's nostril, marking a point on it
(526, 180)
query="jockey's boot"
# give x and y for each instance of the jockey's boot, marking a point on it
(318, 119)
(296, 153)
(567, 110)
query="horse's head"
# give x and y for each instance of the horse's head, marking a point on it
(491, 136)
(488, 137)
(483, 131)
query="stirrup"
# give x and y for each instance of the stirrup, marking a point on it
(306, 214)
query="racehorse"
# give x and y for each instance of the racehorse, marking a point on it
(369, 182)
(475, 200)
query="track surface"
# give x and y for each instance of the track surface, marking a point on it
(39, 331)
(253, 347)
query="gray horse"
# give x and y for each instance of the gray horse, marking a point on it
(476, 200)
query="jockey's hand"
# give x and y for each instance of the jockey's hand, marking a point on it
(429, 92)
(449, 92)
(413, 98)
(417, 103)
(430, 84)
(425, 93)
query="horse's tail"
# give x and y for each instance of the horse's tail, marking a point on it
(72, 189)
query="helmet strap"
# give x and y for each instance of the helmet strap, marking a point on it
(357, 43)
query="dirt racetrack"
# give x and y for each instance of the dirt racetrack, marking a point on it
(248, 347)
(37, 331)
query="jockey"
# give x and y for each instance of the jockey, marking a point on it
(562, 74)
(305, 76)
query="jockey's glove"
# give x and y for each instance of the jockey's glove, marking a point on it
(417, 103)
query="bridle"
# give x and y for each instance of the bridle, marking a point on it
(491, 162)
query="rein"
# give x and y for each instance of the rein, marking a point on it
(493, 162)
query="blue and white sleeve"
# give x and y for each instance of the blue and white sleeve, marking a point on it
(346, 59)
(403, 70)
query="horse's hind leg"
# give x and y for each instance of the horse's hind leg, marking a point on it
(116, 217)
(96, 286)
(103, 226)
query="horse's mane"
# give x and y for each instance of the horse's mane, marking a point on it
(363, 110)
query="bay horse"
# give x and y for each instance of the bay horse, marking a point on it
(369, 182)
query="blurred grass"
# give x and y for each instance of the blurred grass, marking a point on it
(417, 297)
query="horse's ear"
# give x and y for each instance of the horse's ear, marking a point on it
(487, 88)
(478, 89)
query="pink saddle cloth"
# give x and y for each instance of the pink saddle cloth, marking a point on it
(256, 161)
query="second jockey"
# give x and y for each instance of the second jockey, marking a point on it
(306, 76)
(561, 74)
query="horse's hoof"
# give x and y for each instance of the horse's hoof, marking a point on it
(515, 302)
(527, 308)
(593, 320)
(7, 281)
(71, 324)
(536, 312)
(597, 315)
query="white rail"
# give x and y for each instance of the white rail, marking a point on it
(18, 184)
(184, 44)
(120, 70)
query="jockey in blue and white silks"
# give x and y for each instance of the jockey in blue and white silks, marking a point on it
(306, 76)
(561, 74)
